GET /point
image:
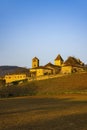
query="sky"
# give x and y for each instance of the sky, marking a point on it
(42, 28)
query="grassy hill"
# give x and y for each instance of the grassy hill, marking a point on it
(12, 70)
(74, 83)
(54, 107)
(68, 84)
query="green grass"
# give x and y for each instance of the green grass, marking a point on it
(63, 112)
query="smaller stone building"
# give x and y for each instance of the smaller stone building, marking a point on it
(67, 69)
(55, 68)
(72, 65)
(14, 77)
(40, 71)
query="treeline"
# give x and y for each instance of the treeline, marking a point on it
(2, 83)
(13, 70)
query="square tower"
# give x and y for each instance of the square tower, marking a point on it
(58, 61)
(35, 62)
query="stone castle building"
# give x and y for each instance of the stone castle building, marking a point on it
(71, 65)
(47, 69)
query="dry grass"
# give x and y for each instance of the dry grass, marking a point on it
(74, 83)
(69, 84)
(63, 112)
(58, 108)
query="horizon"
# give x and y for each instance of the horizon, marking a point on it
(40, 64)
(42, 28)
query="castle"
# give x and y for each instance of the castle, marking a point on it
(71, 65)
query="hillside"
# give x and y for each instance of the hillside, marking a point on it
(12, 69)
(75, 83)
(68, 84)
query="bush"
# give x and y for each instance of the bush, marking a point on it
(2, 82)
(18, 90)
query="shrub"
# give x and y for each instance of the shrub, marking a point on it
(18, 90)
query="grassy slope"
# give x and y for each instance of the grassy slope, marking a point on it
(44, 113)
(69, 84)
(60, 112)
(75, 83)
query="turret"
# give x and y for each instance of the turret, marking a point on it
(35, 62)
(58, 61)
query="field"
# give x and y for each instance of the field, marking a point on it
(68, 84)
(53, 104)
(63, 112)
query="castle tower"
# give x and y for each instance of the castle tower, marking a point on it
(58, 61)
(35, 62)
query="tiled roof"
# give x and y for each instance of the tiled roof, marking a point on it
(59, 58)
(41, 67)
(73, 62)
(51, 65)
(35, 58)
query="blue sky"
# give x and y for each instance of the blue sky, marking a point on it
(42, 28)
